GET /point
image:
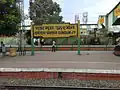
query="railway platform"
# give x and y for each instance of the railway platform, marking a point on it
(64, 59)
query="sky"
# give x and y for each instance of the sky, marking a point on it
(72, 7)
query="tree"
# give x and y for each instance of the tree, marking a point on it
(9, 17)
(45, 11)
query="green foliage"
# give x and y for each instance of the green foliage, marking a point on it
(45, 11)
(9, 21)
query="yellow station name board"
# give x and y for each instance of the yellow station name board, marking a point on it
(55, 30)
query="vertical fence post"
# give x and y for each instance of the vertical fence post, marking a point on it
(78, 37)
(32, 41)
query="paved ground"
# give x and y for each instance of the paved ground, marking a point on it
(88, 60)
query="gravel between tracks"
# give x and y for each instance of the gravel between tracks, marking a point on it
(55, 82)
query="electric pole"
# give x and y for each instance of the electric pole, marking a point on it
(21, 45)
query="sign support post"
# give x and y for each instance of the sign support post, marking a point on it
(78, 38)
(32, 41)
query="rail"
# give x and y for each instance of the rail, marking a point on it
(66, 46)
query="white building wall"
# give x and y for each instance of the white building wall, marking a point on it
(27, 23)
(84, 29)
(110, 21)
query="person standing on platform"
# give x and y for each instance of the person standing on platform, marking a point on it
(1, 43)
(53, 46)
(3, 50)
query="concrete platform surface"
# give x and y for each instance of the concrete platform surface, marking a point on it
(67, 60)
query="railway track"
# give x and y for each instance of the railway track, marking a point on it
(49, 88)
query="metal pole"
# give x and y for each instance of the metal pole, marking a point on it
(32, 41)
(56, 44)
(21, 7)
(79, 38)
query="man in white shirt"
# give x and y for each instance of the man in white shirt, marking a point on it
(3, 50)
(53, 46)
